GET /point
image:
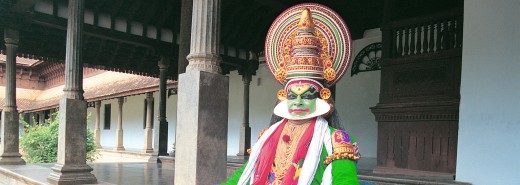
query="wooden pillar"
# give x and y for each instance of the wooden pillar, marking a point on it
(97, 129)
(51, 115)
(164, 63)
(245, 129)
(247, 70)
(9, 147)
(148, 148)
(185, 34)
(71, 167)
(41, 117)
(119, 130)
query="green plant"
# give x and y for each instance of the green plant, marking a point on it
(40, 142)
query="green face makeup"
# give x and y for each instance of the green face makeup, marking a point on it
(301, 100)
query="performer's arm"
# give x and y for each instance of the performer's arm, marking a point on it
(344, 172)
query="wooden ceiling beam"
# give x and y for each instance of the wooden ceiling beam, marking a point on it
(165, 14)
(229, 24)
(102, 33)
(99, 50)
(112, 54)
(132, 11)
(23, 5)
(274, 5)
(150, 12)
(231, 61)
(130, 56)
(249, 33)
(116, 8)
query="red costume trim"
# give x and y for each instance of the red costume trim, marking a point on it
(291, 177)
(266, 156)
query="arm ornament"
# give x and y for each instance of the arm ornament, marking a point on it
(343, 152)
(343, 147)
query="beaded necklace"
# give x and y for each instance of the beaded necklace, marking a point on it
(291, 135)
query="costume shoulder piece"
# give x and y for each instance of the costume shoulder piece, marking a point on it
(343, 146)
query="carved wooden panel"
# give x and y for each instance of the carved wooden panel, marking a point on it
(417, 113)
(429, 146)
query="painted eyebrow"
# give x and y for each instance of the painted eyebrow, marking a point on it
(310, 94)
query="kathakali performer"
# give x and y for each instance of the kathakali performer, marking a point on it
(308, 49)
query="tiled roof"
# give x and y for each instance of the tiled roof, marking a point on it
(21, 61)
(106, 85)
(24, 97)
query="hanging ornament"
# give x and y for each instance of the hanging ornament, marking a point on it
(281, 74)
(325, 94)
(329, 74)
(281, 95)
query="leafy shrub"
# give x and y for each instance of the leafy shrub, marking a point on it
(40, 142)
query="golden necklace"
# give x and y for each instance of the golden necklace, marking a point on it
(287, 144)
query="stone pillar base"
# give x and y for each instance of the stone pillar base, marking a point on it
(245, 140)
(119, 135)
(154, 159)
(71, 174)
(147, 141)
(9, 150)
(11, 159)
(119, 149)
(201, 139)
(71, 167)
(97, 138)
(163, 137)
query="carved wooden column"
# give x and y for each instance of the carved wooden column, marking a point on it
(247, 71)
(51, 115)
(202, 113)
(9, 147)
(97, 130)
(41, 117)
(71, 167)
(245, 129)
(164, 63)
(148, 148)
(119, 130)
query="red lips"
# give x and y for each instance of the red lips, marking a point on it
(298, 111)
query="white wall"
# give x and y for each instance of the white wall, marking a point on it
(262, 99)
(171, 117)
(354, 97)
(489, 117)
(133, 112)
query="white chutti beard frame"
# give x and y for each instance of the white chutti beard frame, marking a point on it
(282, 110)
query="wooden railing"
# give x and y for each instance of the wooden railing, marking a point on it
(423, 35)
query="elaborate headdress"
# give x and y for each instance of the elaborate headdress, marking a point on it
(308, 43)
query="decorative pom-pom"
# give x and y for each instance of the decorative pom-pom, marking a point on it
(286, 138)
